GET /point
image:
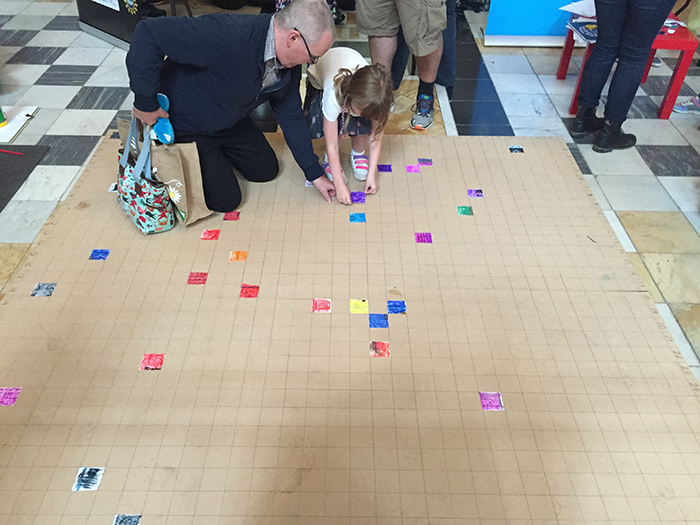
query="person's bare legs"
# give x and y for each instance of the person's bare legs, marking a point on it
(428, 65)
(382, 50)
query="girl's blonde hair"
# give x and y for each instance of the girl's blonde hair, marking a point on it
(369, 89)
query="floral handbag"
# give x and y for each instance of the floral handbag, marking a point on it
(144, 199)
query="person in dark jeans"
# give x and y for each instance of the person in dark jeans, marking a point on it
(626, 31)
(447, 71)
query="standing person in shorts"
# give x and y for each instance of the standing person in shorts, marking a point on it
(422, 24)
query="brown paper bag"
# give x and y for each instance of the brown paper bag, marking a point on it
(177, 166)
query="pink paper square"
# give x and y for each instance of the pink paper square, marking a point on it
(232, 215)
(412, 168)
(249, 290)
(152, 361)
(322, 306)
(8, 396)
(491, 401)
(197, 278)
(210, 235)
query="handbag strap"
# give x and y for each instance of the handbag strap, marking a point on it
(143, 162)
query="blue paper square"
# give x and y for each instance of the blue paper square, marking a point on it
(99, 255)
(378, 320)
(358, 217)
(396, 307)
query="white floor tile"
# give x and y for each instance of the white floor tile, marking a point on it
(509, 64)
(12, 8)
(21, 221)
(693, 83)
(626, 193)
(23, 74)
(619, 162)
(11, 93)
(70, 10)
(685, 191)
(539, 127)
(597, 192)
(694, 219)
(116, 57)
(42, 121)
(23, 22)
(619, 230)
(558, 87)
(128, 103)
(506, 83)
(86, 40)
(7, 52)
(687, 125)
(54, 39)
(662, 70)
(49, 96)
(27, 139)
(527, 105)
(115, 76)
(548, 65)
(655, 132)
(82, 56)
(44, 8)
(678, 336)
(46, 183)
(561, 103)
(82, 122)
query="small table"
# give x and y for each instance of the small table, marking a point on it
(681, 40)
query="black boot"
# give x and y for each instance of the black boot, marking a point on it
(585, 122)
(612, 137)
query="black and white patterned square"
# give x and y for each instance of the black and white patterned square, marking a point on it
(63, 23)
(657, 85)
(96, 97)
(66, 76)
(671, 161)
(16, 38)
(36, 55)
(67, 150)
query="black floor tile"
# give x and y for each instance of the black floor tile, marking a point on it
(484, 130)
(66, 76)
(63, 23)
(94, 97)
(123, 114)
(468, 52)
(474, 89)
(671, 161)
(642, 107)
(479, 112)
(580, 160)
(656, 85)
(67, 150)
(16, 38)
(36, 55)
(471, 68)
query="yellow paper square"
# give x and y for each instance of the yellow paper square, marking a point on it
(359, 306)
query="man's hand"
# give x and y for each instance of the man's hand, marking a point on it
(326, 188)
(149, 117)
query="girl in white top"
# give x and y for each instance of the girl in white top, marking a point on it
(345, 95)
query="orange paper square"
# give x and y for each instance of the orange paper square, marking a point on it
(238, 256)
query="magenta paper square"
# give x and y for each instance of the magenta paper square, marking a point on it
(412, 168)
(424, 238)
(8, 396)
(491, 401)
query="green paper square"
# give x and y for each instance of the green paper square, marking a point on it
(464, 210)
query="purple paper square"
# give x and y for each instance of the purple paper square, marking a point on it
(412, 168)
(491, 401)
(475, 194)
(8, 396)
(384, 168)
(358, 197)
(425, 162)
(424, 238)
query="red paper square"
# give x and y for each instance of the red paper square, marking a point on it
(379, 349)
(249, 290)
(232, 215)
(322, 306)
(210, 235)
(197, 278)
(152, 361)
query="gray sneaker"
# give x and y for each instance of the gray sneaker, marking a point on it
(423, 117)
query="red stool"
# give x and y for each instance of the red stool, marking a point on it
(681, 40)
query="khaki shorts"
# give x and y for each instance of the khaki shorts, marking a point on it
(422, 21)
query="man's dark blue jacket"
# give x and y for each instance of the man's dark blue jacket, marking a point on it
(213, 74)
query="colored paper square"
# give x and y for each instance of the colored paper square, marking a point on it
(321, 306)
(43, 289)
(378, 320)
(359, 306)
(358, 217)
(379, 349)
(8, 396)
(491, 401)
(516, 149)
(113, 188)
(232, 215)
(99, 255)
(384, 168)
(127, 519)
(464, 210)
(424, 238)
(249, 290)
(152, 361)
(425, 162)
(475, 194)
(412, 168)
(358, 197)
(238, 256)
(197, 278)
(88, 479)
(396, 307)
(210, 235)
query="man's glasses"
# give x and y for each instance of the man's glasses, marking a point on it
(312, 59)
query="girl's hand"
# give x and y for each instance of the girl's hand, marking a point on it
(371, 184)
(343, 194)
